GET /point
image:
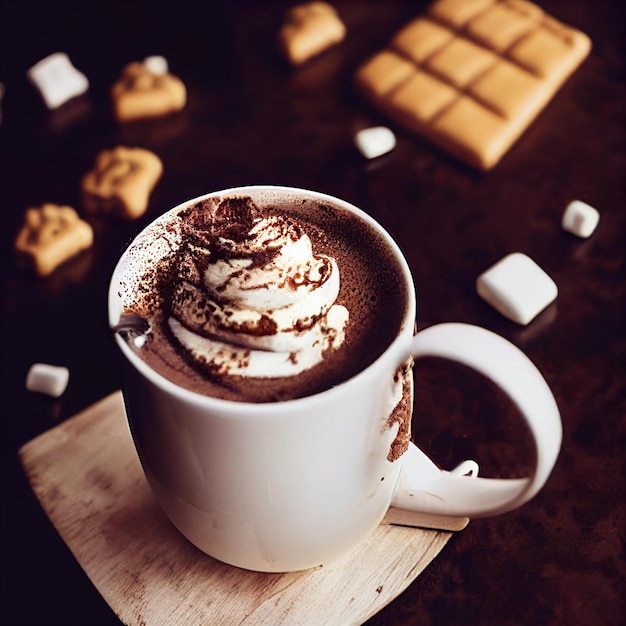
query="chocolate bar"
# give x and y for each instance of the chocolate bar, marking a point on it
(471, 75)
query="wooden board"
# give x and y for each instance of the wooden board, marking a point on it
(86, 474)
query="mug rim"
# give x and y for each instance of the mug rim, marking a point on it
(169, 386)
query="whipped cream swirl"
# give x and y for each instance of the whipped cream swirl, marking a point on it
(252, 298)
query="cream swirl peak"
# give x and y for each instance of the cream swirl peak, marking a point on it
(252, 298)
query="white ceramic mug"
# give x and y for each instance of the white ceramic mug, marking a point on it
(291, 485)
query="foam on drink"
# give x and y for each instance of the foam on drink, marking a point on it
(263, 298)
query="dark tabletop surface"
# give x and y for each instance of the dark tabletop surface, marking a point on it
(252, 119)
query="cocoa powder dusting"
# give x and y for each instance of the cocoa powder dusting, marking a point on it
(401, 415)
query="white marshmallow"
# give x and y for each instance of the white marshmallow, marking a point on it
(580, 219)
(376, 141)
(156, 64)
(517, 288)
(139, 341)
(57, 79)
(49, 379)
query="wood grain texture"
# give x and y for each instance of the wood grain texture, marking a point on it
(87, 477)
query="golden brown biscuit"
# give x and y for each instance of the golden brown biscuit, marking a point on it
(471, 75)
(141, 93)
(121, 181)
(309, 29)
(50, 235)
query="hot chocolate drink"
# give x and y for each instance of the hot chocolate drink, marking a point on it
(263, 298)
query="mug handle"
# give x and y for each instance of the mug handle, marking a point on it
(423, 489)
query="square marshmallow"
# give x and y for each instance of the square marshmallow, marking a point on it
(49, 379)
(517, 288)
(376, 141)
(580, 219)
(57, 79)
(156, 64)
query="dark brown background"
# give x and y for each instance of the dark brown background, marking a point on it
(251, 119)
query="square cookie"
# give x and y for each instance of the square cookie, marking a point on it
(308, 29)
(143, 93)
(50, 235)
(121, 181)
